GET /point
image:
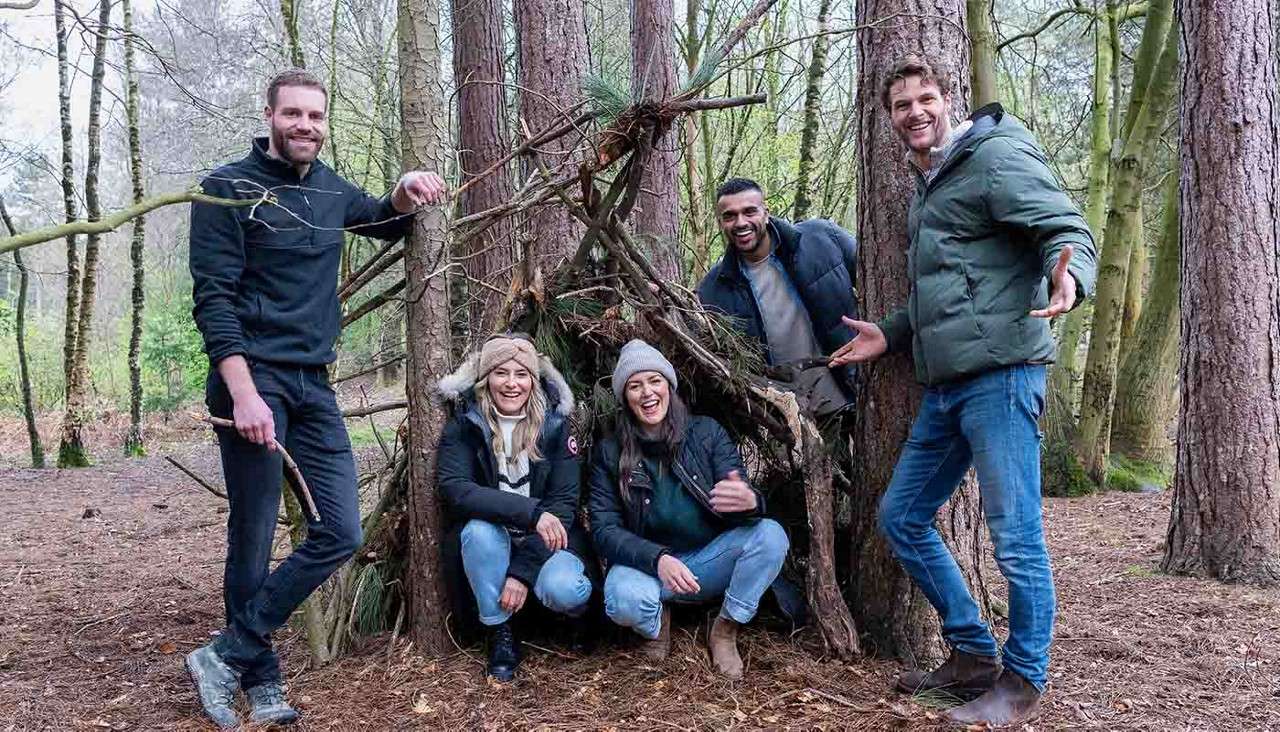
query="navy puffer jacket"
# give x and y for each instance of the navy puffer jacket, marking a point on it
(820, 258)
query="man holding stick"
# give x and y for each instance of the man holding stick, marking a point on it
(997, 249)
(265, 290)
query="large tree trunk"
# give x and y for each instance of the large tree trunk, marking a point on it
(289, 12)
(982, 49)
(812, 107)
(553, 61)
(1226, 501)
(887, 608)
(133, 440)
(653, 78)
(482, 140)
(1060, 463)
(1147, 110)
(20, 328)
(71, 452)
(423, 134)
(1148, 374)
(72, 311)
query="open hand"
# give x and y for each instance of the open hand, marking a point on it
(867, 344)
(552, 532)
(732, 495)
(676, 577)
(1062, 288)
(513, 595)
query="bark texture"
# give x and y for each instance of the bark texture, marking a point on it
(1226, 502)
(656, 215)
(889, 611)
(133, 440)
(812, 106)
(553, 61)
(982, 49)
(71, 452)
(482, 140)
(20, 329)
(72, 310)
(1145, 386)
(424, 132)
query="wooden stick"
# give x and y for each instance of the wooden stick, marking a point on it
(288, 461)
(207, 485)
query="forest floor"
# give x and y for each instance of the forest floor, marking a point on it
(108, 575)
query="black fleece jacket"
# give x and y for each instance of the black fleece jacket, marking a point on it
(265, 276)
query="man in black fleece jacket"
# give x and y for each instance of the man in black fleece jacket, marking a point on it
(265, 285)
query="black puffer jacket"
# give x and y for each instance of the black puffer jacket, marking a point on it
(707, 455)
(820, 258)
(466, 472)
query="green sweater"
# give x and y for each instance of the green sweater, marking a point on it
(985, 233)
(674, 518)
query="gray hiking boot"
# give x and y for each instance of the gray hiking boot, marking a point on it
(269, 705)
(216, 683)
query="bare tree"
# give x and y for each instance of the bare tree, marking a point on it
(885, 604)
(424, 135)
(20, 328)
(812, 105)
(133, 440)
(71, 313)
(1226, 500)
(653, 78)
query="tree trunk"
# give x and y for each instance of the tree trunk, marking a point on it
(289, 11)
(1148, 374)
(20, 328)
(656, 215)
(1059, 461)
(553, 62)
(887, 608)
(812, 108)
(133, 440)
(72, 312)
(423, 134)
(1226, 501)
(698, 231)
(71, 452)
(982, 48)
(482, 140)
(1139, 133)
(1135, 279)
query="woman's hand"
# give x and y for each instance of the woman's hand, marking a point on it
(513, 595)
(732, 495)
(676, 576)
(552, 532)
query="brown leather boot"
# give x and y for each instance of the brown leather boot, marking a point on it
(656, 650)
(1012, 700)
(723, 641)
(963, 676)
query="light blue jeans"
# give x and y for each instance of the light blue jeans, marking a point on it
(740, 564)
(562, 583)
(989, 421)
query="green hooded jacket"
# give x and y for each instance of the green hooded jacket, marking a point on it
(985, 233)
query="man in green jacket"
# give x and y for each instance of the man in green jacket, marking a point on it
(997, 249)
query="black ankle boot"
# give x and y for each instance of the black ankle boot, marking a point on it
(504, 652)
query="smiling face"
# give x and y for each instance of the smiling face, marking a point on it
(921, 115)
(648, 397)
(743, 218)
(509, 387)
(298, 123)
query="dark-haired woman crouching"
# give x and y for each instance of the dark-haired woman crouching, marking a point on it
(673, 515)
(508, 469)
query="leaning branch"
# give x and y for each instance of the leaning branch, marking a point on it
(117, 219)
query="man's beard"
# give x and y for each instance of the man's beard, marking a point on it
(281, 143)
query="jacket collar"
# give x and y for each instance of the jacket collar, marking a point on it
(275, 166)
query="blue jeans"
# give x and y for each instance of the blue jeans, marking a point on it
(310, 426)
(740, 564)
(989, 421)
(562, 583)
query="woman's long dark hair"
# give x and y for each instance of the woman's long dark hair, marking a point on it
(670, 432)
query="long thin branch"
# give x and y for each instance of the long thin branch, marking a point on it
(374, 409)
(362, 372)
(207, 485)
(288, 461)
(373, 303)
(1076, 9)
(358, 279)
(117, 219)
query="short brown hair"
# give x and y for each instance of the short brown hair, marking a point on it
(294, 77)
(915, 65)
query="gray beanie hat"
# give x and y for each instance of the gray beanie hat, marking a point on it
(639, 356)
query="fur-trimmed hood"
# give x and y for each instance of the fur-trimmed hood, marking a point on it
(459, 386)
